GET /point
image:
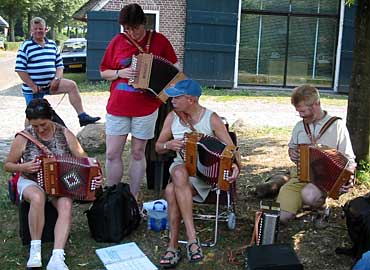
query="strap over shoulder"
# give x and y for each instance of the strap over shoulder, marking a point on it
(322, 130)
(31, 138)
(148, 42)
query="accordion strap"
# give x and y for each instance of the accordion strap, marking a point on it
(322, 130)
(147, 45)
(255, 229)
(183, 118)
(43, 148)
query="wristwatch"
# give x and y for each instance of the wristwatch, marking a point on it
(57, 78)
(165, 145)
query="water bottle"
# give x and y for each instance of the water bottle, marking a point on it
(157, 217)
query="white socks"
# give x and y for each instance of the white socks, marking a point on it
(35, 254)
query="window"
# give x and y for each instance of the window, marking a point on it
(286, 43)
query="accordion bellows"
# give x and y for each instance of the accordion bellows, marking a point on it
(154, 73)
(209, 159)
(323, 166)
(69, 176)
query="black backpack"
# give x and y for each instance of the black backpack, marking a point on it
(114, 214)
(357, 213)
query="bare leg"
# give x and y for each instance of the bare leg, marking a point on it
(285, 216)
(313, 196)
(64, 221)
(114, 163)
(71, 88)
(137, 165)
(36, 218)
(173, 214)
(184, 197)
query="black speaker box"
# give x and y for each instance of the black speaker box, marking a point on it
(272, 257)
(51, 215)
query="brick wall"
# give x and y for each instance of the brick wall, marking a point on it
(171, 19)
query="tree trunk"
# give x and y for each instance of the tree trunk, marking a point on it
(358, 117)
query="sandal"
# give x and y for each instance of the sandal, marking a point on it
(170, 258)
(194, 255)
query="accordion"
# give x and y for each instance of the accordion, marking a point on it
(154, 74)
(69, 176)
(267, 223)
(323, 166)
(209, 159)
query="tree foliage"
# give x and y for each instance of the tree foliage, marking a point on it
(58, 14)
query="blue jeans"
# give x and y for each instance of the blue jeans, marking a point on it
(363, 263)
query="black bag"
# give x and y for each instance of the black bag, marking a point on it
(357, 213)
(114, 214)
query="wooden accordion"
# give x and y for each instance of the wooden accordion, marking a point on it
(69, 176)
(154, 73)
(323, 166)
(209, 159)
(267, 223)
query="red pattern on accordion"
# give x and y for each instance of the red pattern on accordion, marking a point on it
(323, 166)
(66, 175)
(154, 73)
(208, 158)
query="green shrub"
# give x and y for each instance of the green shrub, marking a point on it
(363, 173)
(12, 46)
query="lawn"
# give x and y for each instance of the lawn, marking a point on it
(264, 152)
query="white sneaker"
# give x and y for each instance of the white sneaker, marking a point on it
(35, 256)
(57, 262)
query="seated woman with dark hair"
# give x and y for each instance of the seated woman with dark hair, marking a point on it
(59, 140)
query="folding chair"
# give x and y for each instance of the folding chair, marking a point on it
(219, 198)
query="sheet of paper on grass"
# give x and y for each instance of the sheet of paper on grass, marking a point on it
(125, 256)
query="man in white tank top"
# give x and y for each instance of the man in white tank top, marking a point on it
(179, 193)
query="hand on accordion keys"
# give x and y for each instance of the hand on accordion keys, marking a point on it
(350, 184)
(127, 73)
(234, 173)
(99, 180)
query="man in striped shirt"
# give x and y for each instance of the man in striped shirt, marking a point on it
(40, 67)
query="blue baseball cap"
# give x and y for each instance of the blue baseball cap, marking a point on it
(184, 87)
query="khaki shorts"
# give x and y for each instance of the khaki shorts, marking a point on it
(140, 127)
(201, 187)
(290, 197)
(24, 183)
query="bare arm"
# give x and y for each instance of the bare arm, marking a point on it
(12, 161)
(54, 84)
(27, 80)
(165, 141)
(73, 144)
(114, 74)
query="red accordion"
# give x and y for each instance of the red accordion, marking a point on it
(66, 175)
(323, 166)
(209, 159)
(154, 73)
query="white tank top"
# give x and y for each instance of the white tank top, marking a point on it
(203, 126)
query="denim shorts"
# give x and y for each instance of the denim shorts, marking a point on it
(140, 127)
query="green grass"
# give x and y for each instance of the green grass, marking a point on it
(363, 173)
(219, 95)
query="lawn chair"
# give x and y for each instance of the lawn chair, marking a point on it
(220, 198)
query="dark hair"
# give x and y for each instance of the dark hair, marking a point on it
(131, 15)
(39, 108)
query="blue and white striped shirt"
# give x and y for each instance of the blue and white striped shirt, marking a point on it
(39, 62)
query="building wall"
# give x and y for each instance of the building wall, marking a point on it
(171, 19)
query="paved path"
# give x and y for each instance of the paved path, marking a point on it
(254, 113)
